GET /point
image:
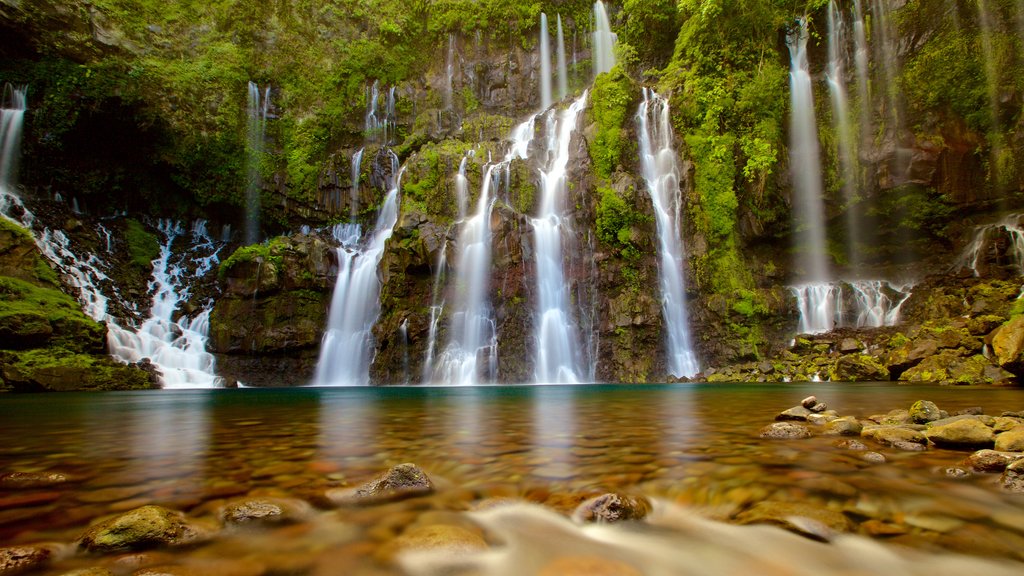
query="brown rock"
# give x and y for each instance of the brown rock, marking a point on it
(809, 402)
(452, 539)
(845, 426)
(888, 435)
(1008, 345)
(19, 559)
(991, 460)
(611, 507)
(961, 435)
(24, 480)
(1012, 479)
(804, 519)
(784, 431)
(264, 511)
(796, 413)
(1011, 441)
(402, 481)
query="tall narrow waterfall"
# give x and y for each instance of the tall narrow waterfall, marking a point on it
(604, 40)
(563, 71)
(557, 345)
(176, 344)
(347, 347)
(255, 135)
(471, 355)
(545, 64)
(12, 116)
(379, 123)
(357, 161)
(661, 173)
(845, 141)
(805, 163)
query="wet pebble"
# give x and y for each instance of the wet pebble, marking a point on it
(18, 559)
(873, 457)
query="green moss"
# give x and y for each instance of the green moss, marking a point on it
(264, 252)
(57, 369)
(143, 247)
(612, 99)
(72, 329)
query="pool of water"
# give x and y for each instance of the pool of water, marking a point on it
(693, 449)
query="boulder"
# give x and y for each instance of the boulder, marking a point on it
(924, 411)
(858, 368)
(784, 431)
(890, 435)
(848, 346)
(796, 413)
(145, 527)
(400, 482)
(1012, 440)
(963, 434)
(1008, 345)
(845, 426)
(991, 460)
(611, 507)
(1012, 479)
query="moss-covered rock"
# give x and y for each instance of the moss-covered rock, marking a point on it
(858, 368)
(56, 369)
(139, 529)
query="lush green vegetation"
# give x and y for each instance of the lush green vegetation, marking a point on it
(612, 102)
(267, 252)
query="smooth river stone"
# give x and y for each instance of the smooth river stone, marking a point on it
(961, 434)
(1011, 441)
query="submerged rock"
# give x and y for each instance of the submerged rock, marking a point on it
(587, 566)
(23, 480)
(402, 481)
(991, 460)
(804, 519)
(146, 527)
(263, 511)
(451, 539)
(19, 559)
(611, 507)
(1012, 479)
(890, 435)
(784, 431)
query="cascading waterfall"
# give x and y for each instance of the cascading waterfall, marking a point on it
(545, 64)
(255, 135)
(462, 188)
(449, 98)
(825, 306)
(379, 124)
(557, 346)
(805, 162)
(472, 330)
(357, 161)
(347, 347)
(12, 116)
(471, 355)
(1001, 242)
(563, 72)
(604, 40)
(176, 346)
(436, 309)
(661, 173)
(845, 142)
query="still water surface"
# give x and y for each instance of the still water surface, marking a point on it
(692, 448)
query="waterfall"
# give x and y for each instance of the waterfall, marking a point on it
(825, 306)
(847, 153)
(472, 331)
(557, 347)
(12, 116)
(545, 64)
(449, 97)
(805, 162)
(347, 347)
(379, 124)
(177, 346)
(563, 73)
(471, 354)
(436, 308)
(661, 173)
(255, 133)
(860, 58)
(604, 40)
(357, 161)
(1001, 242)
(462, 188)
